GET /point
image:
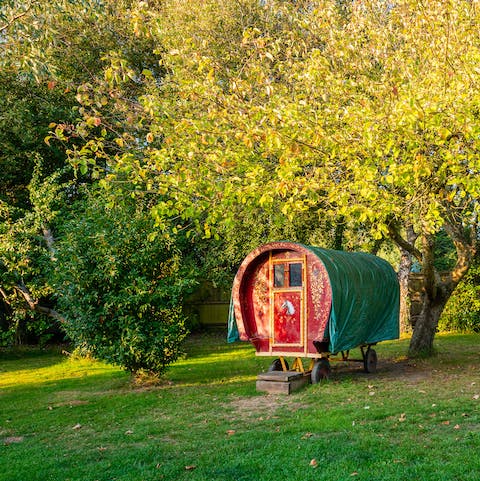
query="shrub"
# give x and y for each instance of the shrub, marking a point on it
(121, 289)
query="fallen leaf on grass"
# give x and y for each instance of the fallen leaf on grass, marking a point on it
(231, 432)
(354, 474)
(77, 426)
(457, 426)
(446, 423)
(307, 435)
(190, 467)
(476, 396)
(13, 440)
(129, 431)
(101, 449)
(313, 463)
(402, 418)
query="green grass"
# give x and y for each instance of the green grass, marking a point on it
(68, 419)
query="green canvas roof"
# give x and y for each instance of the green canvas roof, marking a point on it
(365, 298)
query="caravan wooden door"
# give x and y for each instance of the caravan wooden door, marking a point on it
(287, 302)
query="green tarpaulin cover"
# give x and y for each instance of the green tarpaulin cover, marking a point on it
(365, 300)
(232, 333)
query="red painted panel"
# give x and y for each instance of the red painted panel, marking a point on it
(287, 318)
(319, 302)
(261, 300)
(252, 306)
(251, 295)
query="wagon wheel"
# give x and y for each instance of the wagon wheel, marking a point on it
(277, 365)
(370, 360)
(321, 370)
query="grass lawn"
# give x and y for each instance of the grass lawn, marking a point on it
(68, 419)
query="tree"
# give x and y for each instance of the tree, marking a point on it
(368, 115)
(31, 176)
(120, 291)
(26, 252)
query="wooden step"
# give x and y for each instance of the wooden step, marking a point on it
(282, 382)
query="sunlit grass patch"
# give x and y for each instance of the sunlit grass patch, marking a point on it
(61, 368)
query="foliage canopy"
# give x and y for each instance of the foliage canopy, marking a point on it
(366, 113)
(120, 293)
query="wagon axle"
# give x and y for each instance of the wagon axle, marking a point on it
(320, 369)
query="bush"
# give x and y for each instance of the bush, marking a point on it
(462, 312)
(120, 289)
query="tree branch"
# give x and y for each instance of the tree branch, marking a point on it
(50, 241)
(15, 18)
(5, 296)
(404, 244)
(465, 247)
(34, 306)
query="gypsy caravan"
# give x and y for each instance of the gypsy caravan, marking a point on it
(292, 300)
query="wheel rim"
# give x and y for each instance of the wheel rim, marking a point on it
(321, 370)
(371, 361)
(277, 365)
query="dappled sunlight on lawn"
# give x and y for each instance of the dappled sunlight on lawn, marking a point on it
(216, 381)
(64, 369)
(218, 356)
(216, 365)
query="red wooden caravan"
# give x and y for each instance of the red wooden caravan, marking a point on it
(301, 301)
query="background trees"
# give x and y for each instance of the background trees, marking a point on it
(31, 198)
(66, 252)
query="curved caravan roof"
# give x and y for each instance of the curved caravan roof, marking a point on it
(360, 295)
(365, 298)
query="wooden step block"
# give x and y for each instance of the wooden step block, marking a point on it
(282, 382)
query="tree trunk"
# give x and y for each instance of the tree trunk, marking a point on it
(426, 326)
(403, 278)
(35, 306)
(436, 292)
(432, 305)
